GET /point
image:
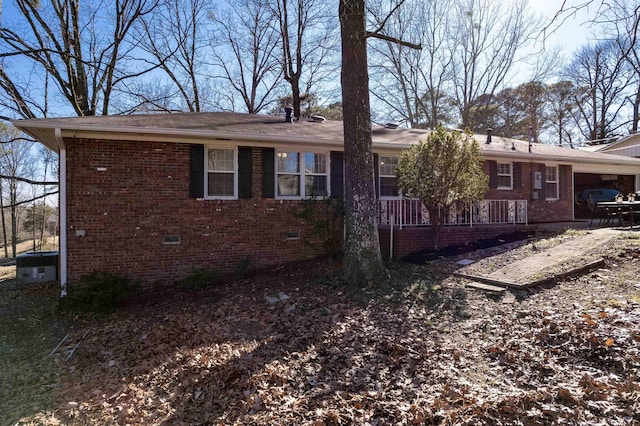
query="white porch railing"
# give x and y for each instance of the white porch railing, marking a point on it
(411, 212)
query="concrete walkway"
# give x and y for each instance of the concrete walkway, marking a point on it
(527, 270)
(575, 254)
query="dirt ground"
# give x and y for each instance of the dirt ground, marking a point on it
(296, 346)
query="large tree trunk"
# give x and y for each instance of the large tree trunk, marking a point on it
(4, 223)
(14, 217)
(295, 96)
(362, 260)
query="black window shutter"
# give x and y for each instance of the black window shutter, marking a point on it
(268, 173)
(244, 172)
(493, 174)
(564, 181)
(196, 171)
(376, 174)
(337, 174)
(517, 175)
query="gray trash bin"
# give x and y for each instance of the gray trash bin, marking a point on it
(37, 267)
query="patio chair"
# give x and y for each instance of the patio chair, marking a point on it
(595, 212)
(612, 214)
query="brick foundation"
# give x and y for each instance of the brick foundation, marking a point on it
(409, 240)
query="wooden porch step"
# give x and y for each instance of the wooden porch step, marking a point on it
(486, 287)
(487, 281)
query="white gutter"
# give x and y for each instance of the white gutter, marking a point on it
(600, 158)
(573, 195)
(62, 186)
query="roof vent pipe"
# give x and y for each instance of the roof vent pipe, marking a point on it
(287, 112)
(489, 130)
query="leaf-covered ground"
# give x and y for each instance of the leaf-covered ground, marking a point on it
(292, 346)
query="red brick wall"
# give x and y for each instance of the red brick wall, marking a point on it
(126, 211)
(143, 195)
(539, 210)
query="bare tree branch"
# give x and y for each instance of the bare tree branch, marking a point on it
(19, 203)
(25, 180)
(393, 40)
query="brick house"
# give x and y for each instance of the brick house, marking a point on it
(152, 196)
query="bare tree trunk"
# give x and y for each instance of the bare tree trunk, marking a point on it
(362, 260)
(33, 230)
(44, 204)
(437, 222)
(14, 216)
(4, 224)
(295, 92)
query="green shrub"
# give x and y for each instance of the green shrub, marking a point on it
(200, 278)
(98, 292)
(245, 267)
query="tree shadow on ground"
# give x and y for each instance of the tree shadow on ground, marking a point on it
(29, 330)
(231, 355)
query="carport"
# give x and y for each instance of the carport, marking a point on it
(624, 178)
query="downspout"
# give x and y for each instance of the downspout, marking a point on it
(573, 195)
(63, 212)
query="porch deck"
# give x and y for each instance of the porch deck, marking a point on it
(403, 213)
(404, 227)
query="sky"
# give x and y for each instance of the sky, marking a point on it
(571, 34)
(568, 33)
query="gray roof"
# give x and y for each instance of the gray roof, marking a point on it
(629, 146)
(265, 130)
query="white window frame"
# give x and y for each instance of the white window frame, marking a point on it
(380, 176)
(556, 182)
(498, 175)
(302, 174)
(234, 171)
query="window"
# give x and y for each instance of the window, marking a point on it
(302, 174)
(551, 182)
(221, 176)
(505, 176)
(388, 182)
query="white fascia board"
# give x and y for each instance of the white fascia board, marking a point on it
(606, 168)
(575, 161)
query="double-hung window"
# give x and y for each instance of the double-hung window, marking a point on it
(551, 182)
(505, 176)
(221, 173)
(302, 174)
(388, 181)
